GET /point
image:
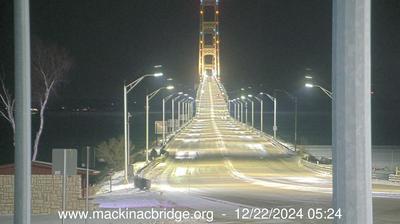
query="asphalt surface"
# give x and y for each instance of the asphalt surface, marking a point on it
(221, 160)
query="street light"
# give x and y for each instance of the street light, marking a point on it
(275, 127)
(128, 88)
(180, 109)
(190, 106)
(165, 99)
(309, 84)
(294, 98)
(252, 108)
(235, 109)
(186, 109)
(148, 98)
(232, 112)
(241, 109)
(229, 106)
(245, 105)
(173, 110)
(261, 112)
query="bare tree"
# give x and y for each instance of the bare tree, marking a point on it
(8, 102)
(50, 63)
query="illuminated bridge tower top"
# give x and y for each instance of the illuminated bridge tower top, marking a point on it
(209, 39)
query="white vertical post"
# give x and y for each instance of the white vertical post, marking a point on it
(185, 112)
(241, 112)
(87, 178)
(262, 116)
(252, 113)
(245, 105)
(237, 111)
(234, 110)
(22, 65)
(173, 114)
(163, 120)
(147, 128)
(125, 135)
(179, 114)
(275, 128)
(351, 78)
(64, 187)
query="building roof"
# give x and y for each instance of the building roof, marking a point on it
(41, 167)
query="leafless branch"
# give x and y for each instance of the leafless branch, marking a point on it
(7, 103)
(50, 63)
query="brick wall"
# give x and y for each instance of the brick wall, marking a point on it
(46, 194)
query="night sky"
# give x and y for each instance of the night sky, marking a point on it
(265, 44)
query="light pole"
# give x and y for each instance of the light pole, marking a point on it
(130, 117)
(165, 99)
(237, 109)
(261, 112)
(180, 110)
(128, 88)
(187, 103)
(295, 101)
(275, 127)
(173, 110)
(190, 108)
(245, 105)
(249, 98)
(148, 98)
(245, 109)
(309, 84)
(234, 108)
(241, 110)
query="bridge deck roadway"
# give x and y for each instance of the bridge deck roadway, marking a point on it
(238, 167)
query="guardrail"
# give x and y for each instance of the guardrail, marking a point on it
(394, 178)
(287, 146)
(319, 168)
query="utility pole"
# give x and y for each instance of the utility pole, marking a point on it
(179, 114)
(351, 109)
(163, 120)
(241, 112)
(252, 113)
(22, 65)
(261, 112)
(234, 110)
(147, 128)
(275, 128)
(87, 179)
(173, 115)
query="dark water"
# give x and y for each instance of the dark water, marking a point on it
(79, 129)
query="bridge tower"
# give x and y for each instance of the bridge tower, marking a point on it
(209, 39)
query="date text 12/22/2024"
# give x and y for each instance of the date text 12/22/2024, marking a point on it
(287, 213)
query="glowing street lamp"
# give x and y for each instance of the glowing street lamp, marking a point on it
(309, 84)
(327, 92)
(127, 89)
